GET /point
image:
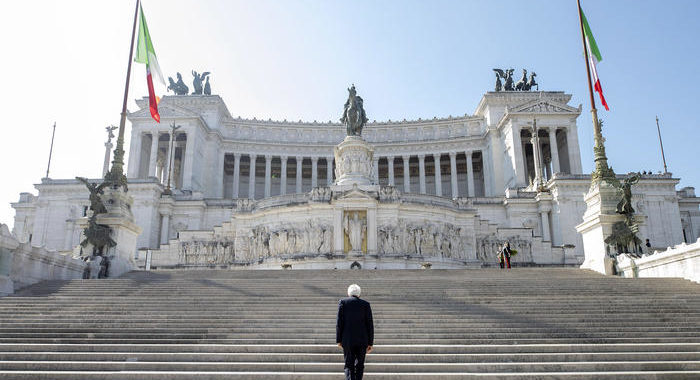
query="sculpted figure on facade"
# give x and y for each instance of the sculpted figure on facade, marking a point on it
(354, 116)
(388, 194)
(356, 228)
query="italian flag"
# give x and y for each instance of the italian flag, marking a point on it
(147, 55)
(594, 57)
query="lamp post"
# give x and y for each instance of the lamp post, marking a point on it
(173, 128)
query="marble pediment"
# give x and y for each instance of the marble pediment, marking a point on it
(544, 106)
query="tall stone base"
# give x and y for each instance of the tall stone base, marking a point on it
(600, 215)
(124, 231)
(353, 165)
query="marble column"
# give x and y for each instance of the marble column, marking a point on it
(438, 175)
(545, 226)
(314, 172)
(236, 174)
(390, 165)
(268, 174)
(300, 160)
(470, 174)
(406, 174)
(154, 154)
(251, 177)
(329, 170)
(164, 229)
(283, 177)
(453, 174)
(554, 150)
(105, 165)
(421, 173)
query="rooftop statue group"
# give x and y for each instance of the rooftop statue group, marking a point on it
(180, 88)
(354, 116)
(524, 84)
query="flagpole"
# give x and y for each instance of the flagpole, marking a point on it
(601, 161)
(53, 134)
(116, 175)
(663, 156)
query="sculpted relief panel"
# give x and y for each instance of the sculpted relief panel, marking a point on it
(425, 239)
(488, 248)
(264, 242)
(220, 252)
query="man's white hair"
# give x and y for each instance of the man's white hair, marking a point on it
(354, 290)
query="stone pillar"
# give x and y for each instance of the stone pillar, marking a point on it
(68, 237)
(421, 173)
(573, 149)
(554, 150)
(105, 165)
(518, 159)
(300, 160)
(283, 177)
(314, 172)
(329, 170)
(406, 174)
(154, 154)
(390, 164)
(251, 177)
(545, 226)
(221, 176)
(165, 229)
(372, 231)
(134, 168)
(338, 233)
(487, 163)
(188, 166)
(166, 167)
(268, 174)
(375, 168)
(537, 159)
(438, 175)
(453, 174)
(470, 174)
(236, 174)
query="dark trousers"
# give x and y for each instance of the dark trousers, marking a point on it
(508, 261)
(354, 362)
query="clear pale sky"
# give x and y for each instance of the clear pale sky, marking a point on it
(66, 62)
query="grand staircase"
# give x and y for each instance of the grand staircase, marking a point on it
(525, 323)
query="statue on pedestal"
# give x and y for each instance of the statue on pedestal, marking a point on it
(179, 87)
(197, 82)
(354, 116)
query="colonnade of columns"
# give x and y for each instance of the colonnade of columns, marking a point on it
(303, 178)
(547, 158)
(157, 161)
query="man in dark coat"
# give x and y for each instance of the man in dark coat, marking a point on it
(354, 332)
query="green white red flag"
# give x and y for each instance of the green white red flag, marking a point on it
(593, 57)
(147, 55)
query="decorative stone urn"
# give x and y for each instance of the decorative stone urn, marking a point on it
(353, 158)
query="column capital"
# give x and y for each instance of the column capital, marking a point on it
(252, 156)
(268, 157)
(453, 155)
(421, 157)
(390, 158)
(299, 158)
(406, 157)
(237, 156)
(314, 159)
(437, 156)
(284, 158)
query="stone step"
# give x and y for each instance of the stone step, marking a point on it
(105, 366)
(185, 375)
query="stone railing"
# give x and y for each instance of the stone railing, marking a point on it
(682, 261)
(23, 265)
